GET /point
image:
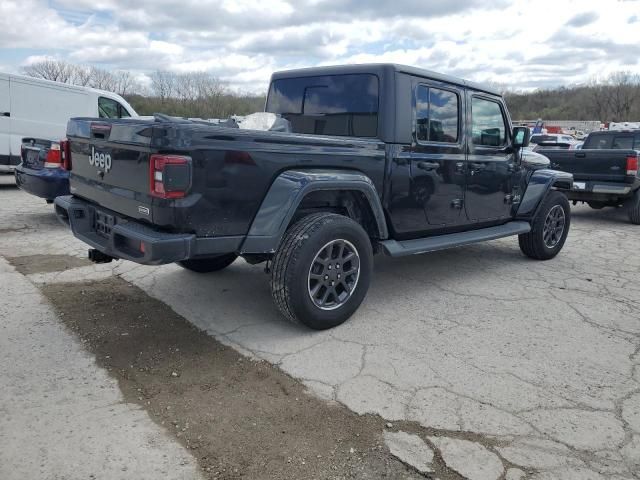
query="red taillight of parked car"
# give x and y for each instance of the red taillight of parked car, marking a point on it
(169, 175)
(65, 148)
(632, 165)
(54, 157)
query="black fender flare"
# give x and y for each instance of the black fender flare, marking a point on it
(286, 193)
(538, 186)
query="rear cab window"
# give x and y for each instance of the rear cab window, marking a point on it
(488, 126)
(613, 141)
(341, 105)
(542, 138)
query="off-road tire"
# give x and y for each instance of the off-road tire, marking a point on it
(532, 244)
(633, 208)
(292, 263)
(208, 265)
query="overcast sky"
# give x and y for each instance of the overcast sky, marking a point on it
(524, 44)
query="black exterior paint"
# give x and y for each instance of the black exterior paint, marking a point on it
(246, 184)
(287, 193)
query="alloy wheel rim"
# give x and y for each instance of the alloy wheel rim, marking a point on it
(553, 227)
(333, 275)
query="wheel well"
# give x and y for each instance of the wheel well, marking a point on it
(350, 203)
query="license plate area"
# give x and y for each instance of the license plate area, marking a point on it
(103, 224)
(32, 157)
(579, 185)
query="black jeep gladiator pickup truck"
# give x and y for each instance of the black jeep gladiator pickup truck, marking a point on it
(605, 170)
(378, 158)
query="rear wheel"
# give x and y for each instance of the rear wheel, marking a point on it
(549, 229)
(207, 265)
(321, 271)
(634, 208)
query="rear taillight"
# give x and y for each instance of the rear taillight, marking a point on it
(632, 165)
(54, 157)
(65, 148)
(169, 176)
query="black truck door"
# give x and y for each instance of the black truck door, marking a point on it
(437, 155)
(491, 160)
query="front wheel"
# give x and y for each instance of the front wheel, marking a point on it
(549, 228)
(321, 271)
(207, 265)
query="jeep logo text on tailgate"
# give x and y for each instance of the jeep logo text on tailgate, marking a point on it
(101, 160)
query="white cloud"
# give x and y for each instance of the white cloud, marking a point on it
(512, 42)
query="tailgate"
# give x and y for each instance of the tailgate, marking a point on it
(597, 165)
(110, 164)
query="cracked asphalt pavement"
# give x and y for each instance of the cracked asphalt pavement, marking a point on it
(501, 366)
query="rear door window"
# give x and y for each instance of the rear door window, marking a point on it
(342, 105)
(437, 114)
(542, 138)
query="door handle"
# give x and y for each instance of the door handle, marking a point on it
(428, 166)
(459, 167)
(5, 114)
(581, 155)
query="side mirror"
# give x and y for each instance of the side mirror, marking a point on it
(521, 137)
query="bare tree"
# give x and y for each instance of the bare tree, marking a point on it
(600, 98)
(163, 84)
(50, 69)
(82, 76)
(623, 90)
(124, 82)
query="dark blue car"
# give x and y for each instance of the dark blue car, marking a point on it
(42, 170)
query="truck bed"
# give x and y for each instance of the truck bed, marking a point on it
(601, 176)
(231, 169)
(594, 165)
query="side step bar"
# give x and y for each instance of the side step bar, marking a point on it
(395, 248)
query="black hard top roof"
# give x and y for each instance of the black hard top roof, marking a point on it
(378, 67)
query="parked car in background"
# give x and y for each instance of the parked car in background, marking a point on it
(605, 170)
(553, 140)
(36, 108)
(44, 168)
(376, 158)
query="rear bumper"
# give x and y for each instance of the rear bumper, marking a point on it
(130, 240)
(599, 191)
(47, 183)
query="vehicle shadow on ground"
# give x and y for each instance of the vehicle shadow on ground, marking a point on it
(606, 215)
(239, 298)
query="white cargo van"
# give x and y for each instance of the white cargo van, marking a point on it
(32, 107)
